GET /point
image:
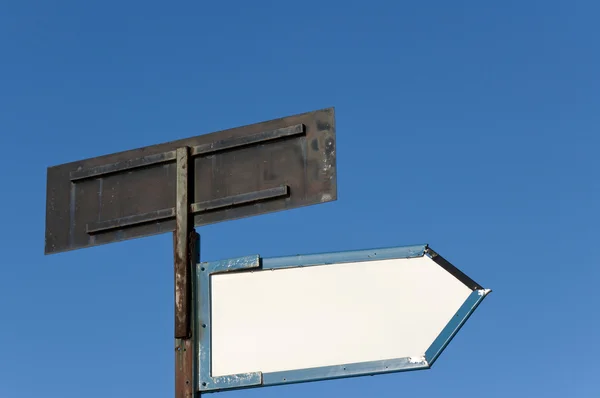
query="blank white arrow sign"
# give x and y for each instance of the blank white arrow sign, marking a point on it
(303, 318)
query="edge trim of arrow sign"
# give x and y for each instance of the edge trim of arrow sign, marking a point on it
(205, 270)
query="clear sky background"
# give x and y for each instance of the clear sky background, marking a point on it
(468, 125)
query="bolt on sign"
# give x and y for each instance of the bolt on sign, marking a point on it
(271, 321)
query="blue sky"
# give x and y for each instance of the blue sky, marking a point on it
(467, 125)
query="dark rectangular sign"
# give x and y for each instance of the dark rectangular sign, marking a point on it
(275, 165)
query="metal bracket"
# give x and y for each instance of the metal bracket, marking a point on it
(183, 229)
(200, 150)
(185, 245)
(195, 208)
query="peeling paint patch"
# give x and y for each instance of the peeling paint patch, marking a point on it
(234, 264)
(326, 197)
(232, 381)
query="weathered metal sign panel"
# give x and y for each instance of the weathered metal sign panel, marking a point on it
(260, 168)
(269, 321)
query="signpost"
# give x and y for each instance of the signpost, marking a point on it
(275, 165)
(255, 321)
(270, 321)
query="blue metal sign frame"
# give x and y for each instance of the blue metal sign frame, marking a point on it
(207, 383)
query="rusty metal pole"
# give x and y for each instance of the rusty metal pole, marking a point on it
(186, 248)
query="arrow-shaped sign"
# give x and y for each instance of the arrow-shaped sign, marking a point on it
(270, 321)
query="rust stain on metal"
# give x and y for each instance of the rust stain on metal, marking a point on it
(185, 356)
(184, 371)
(183, 229)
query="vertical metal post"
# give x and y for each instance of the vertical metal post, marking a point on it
(183, 229)
(186, 248)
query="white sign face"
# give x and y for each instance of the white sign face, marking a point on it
(325, 316)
